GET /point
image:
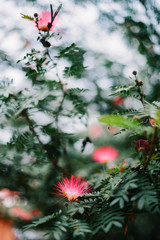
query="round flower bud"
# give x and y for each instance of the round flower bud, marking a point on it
(118, 100)
(35, 15)
(134, 73)
(142, 144)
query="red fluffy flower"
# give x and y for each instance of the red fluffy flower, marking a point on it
(43, 20)
(72, 188)
(105, 154)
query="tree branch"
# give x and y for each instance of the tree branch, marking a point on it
(24, 113)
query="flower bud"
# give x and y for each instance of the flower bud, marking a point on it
(142, 144)
(134, 73)
(118, 100)
(123, 166)
(35, 15)
(46, 44)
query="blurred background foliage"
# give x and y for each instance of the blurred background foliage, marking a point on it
(51, 99)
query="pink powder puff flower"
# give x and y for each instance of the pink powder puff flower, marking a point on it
(142, 144)
(43, 20)
(72, 188)
(105, 154)
(95, 131)
(20, 213)
(5, 193)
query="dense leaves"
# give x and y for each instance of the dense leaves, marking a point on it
(50, 137)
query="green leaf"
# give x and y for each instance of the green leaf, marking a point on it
(81, 210)
(114, 201)
(119, 89)
(141, 203)
(106, 229)
(121, 203)
(43, 220)
(119, 121)
(75, 70)
(117, 224)
(27, 17)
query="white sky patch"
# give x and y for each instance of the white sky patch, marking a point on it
(5, 135)
(12, 43)
(19, 79)
(41, 118)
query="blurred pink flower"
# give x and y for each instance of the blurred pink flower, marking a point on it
(142, 144)
(112, 129)
(72, 188)
(118, 100)
(5, 192)
(95, 131)
(20, 213)
(35, 212)
(43, 20)
(105, 154)
(152, 122)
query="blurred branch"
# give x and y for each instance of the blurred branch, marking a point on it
(152, 148)
(31, 127)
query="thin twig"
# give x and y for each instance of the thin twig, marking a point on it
(139, 85)
(68, 165)
(54, 162)
(56, 12)
(24, 113)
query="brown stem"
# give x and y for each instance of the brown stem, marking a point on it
(25, 115)
(127, 223)
(152, 148)
(31, 127)
(139, 85)
(54, 162)
(60, 108)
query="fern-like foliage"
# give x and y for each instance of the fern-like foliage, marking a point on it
(43, 220)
